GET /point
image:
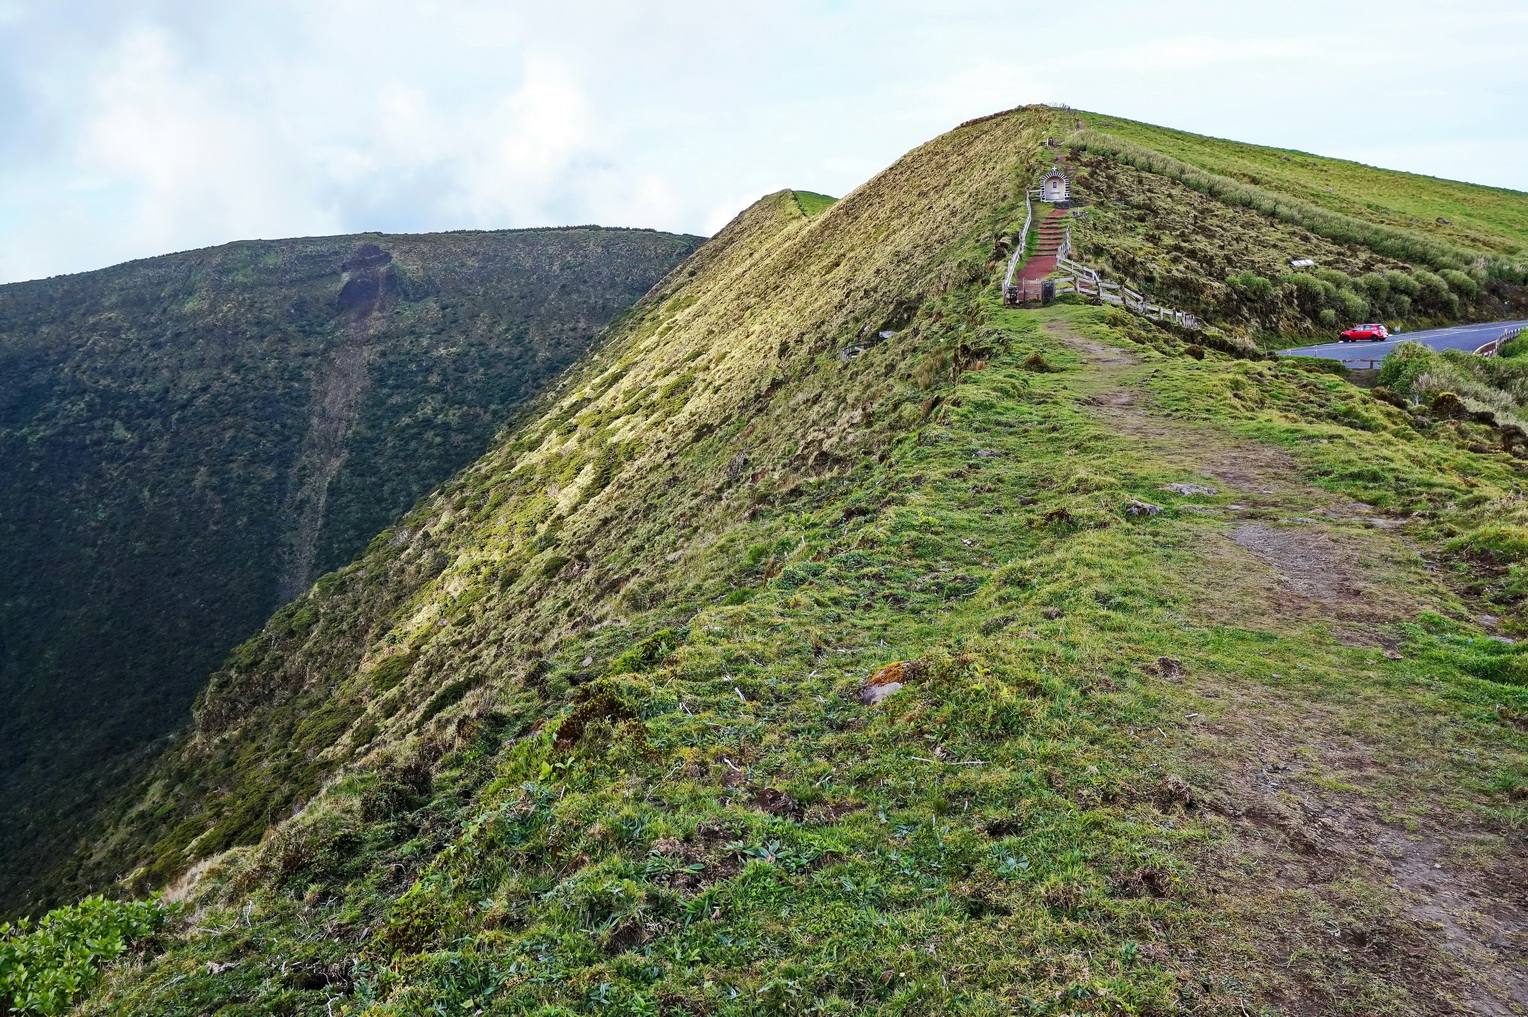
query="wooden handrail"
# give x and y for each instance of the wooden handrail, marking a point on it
(1023, 244)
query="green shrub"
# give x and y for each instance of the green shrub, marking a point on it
(1403, 367)
(45, 967)
(1435, 294)
(1338, 280)
(1459, 282)
(1308, 287)
(1250, 284)
(1351, 304)
(303, 619)
(1375, 286)
(1402, 284)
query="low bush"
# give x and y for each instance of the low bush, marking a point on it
(45, 967)
(1459, 282)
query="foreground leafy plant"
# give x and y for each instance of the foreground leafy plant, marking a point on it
(45, 967)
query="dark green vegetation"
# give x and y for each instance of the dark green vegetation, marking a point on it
(837, 641)
(186, 442)
(1211, 226)
(1495, 386)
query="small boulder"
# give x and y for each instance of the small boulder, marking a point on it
(1136, 507)
(1187, 489)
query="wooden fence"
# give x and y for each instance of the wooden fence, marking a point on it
(1085, 281)
(1019, 248)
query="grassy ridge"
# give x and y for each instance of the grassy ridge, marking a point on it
(708, 817)
(596, 487)
(811, 203)
(1213, 226)
(188, 441)
(1491, 219)
(594, 728)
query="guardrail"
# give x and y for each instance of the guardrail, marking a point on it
(1491, 348)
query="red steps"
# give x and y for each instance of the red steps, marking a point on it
(1051, 232)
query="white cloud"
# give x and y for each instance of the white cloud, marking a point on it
(133, 127)
(201, 168)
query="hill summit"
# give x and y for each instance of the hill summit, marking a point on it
(837, 639)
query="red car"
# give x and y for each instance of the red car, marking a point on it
(1373, 333)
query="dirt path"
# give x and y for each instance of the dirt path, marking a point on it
(1450, 922)
(1300, 553)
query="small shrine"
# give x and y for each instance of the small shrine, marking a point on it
(1054, 186)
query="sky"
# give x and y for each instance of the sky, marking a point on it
(130, 128)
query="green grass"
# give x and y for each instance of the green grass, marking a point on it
(157, 423)
(1212, 226)
(1493, 219)
(811, 203)
(607, 741)
(727, 828)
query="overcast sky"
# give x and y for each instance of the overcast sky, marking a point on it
(135, 127)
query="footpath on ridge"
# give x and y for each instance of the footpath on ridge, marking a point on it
(1306, 774)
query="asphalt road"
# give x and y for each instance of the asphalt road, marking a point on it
(1461, 337)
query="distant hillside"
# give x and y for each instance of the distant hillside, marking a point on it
(187, 442)
(836, 640)
(1211, 226)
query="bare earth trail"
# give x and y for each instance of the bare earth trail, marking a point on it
(1324, 791)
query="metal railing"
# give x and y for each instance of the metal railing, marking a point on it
(1493, 347)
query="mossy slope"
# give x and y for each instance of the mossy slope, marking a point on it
(187, 441)
(595, 728)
